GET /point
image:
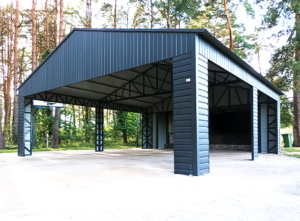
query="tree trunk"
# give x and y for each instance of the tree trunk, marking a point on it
(7, 98)
(61, 17)
(88, 13)
(86, 122)
(47, 25)
(115, 15)
(229, 25)
(74, 120)
(16, 108)
(55, 138)
(296, 105)
(1, 133)
(151, 14)
(125, 136)
(55, 23)
(33, 32)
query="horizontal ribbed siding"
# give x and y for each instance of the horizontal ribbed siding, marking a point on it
(89, 54)
(21, 126)
(254, 124)
(183, 114)
(202, 114)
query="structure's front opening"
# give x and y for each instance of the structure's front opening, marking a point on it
(229, 111)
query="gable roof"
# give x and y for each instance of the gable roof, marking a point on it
(203, 33)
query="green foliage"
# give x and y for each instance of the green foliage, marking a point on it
(45, 55)
(280, 72)
(213, 19)
(249, 9)
(286, 119)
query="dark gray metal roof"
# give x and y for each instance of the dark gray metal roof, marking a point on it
(201, 32)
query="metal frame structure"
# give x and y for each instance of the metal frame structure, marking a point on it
(185, 71)
(99, 130)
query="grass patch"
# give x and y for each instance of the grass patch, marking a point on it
(291, 149)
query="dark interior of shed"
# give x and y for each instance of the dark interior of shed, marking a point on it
(229, 111)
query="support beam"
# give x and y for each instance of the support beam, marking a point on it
(99, 134)
(254, 123)
(25, 127)
(190, 114)
(147, 137)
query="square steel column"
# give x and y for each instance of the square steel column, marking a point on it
(254, 123)
(25, 127)
(147, 138)
(99, 130)
(190, 114)
(278, 127)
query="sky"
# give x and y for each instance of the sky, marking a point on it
(97, 22)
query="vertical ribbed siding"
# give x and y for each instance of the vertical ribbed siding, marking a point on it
(254, 107)
(89, 54)
(21, 127)
(99, 130)
(214, 54)
(202, 114)
(278, 127)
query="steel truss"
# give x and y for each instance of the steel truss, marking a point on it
(272, 126)
(143, 85)
(147, 136)
(67, 99)
(220, 78)
(99, 125)
(28, 127)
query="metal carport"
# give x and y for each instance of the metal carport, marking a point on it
(152, 71)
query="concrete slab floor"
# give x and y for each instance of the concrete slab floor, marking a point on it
(135, 184)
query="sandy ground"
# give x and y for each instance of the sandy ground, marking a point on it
(140, 185)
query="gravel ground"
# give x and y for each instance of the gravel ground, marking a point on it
(137, 184)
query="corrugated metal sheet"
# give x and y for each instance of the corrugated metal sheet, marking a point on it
(90, 54)
(214, 54)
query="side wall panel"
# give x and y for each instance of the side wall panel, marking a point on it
(214, 55)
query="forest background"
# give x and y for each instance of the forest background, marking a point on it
(263, 33)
